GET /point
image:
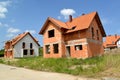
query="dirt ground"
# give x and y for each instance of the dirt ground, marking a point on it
(15, 73)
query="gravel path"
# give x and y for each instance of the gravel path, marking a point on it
(15, 73)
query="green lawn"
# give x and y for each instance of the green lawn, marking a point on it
(91, 67)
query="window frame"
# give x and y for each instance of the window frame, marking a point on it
(47, 49)
(24, 52)
(78, 47)
(51, 33)
(31, 45)
(23, 45)
(56, 48)
(31, 52)
(97, 34)
(92, 31)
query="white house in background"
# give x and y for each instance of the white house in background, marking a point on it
(24, 45)
(118, 43)
(112, 41)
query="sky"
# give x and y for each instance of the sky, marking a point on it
(18, 16)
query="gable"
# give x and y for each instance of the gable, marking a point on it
(21, 36)
(50, 26)
(57, 24)
(94, 24)
(27, 39)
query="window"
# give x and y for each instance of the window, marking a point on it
(31, 52)
(23, 45)
(51, 33)
(92, 32)
(31, 45)
(55, 48)
(78, 47)
(97, 34)
(25, 52)
(73, 27)
(47, 49)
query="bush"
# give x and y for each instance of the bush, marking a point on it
(1, 52)
(1, 61)
(41, 51)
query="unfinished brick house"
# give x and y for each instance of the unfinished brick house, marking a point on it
(111, 42)
(80, 37)
(23, 45)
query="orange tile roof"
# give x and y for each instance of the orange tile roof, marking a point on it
(111, 40)
(82, 22)
(20, 36)
(59, 23)
(79, 23)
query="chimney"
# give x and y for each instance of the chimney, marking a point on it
(83, 14)
(115, 35)
(70, 18)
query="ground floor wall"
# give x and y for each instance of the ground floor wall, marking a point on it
(53, 50)
(95, 48)
(78, 48)
(81, 48)
(21, 53)
(8, 54)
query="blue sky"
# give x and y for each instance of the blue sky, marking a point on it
(18, 16)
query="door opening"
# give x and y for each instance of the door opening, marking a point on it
(68, 51)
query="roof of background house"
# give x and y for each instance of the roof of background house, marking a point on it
(111, 40)
(21, 36)
(79, 23)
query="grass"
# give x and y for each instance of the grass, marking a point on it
(91, 67)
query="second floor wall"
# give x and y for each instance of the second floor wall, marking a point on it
(52, 34)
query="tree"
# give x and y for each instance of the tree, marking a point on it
(1, 52)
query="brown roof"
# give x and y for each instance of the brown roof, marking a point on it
(21, 36)
(111, 40)
(79, 23)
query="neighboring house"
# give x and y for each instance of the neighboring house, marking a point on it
(80, 37)
(111, 42)
(23, 45)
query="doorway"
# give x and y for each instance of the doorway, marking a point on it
(68, 51)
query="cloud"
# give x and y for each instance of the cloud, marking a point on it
(10, 35)
(0, 24)
(59, 17)
(13, 30)
(5, 3)
(31, 31)
(3, 8)
(3, 25)
(67, 12)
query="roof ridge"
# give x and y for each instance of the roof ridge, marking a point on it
(52, 19)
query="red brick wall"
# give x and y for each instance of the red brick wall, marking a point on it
(95, 48)
(91, 46)
(89, 31)
(75, 35)
(53, 40)
(8, 50)
(79, 53)
(8, 54)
